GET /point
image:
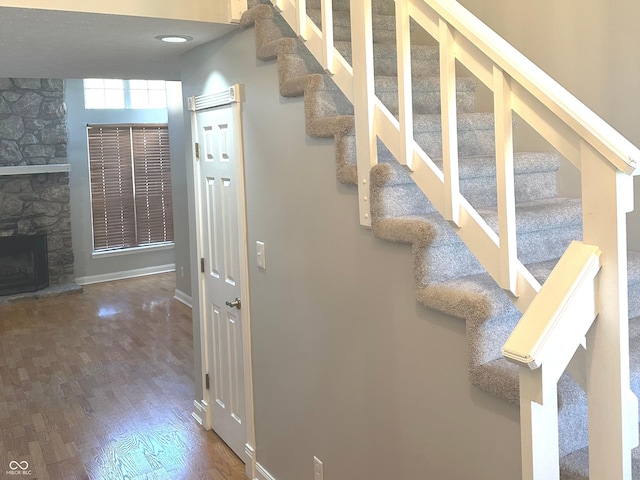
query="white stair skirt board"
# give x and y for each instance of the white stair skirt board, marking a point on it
(138, 272)
(183, 298)
(262, 473)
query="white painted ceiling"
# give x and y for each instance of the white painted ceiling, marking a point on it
(54, 44)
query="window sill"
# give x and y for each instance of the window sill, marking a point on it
(134, 250)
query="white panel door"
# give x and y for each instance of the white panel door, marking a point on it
(222, 302)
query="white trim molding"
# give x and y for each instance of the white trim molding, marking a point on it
(133, 250)
(183, 298)
(34, 169)
(138, 272)
(263, 474)
(212, 100)
(199, 413)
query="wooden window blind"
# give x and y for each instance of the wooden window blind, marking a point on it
(152, 171)
(130, 185)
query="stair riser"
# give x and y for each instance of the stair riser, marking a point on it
(425, 102)
(294, 68)
(333, 102)
(485, 339)
(408, 199)
(424, 60)
(533, 247)
(381, 7)
(470, 143)
(383, 26)
(269, 30)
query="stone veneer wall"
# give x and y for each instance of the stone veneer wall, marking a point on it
(33, 131)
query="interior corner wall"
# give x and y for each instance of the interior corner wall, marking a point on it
(86, 265)
(175, 113)
(589, 47)
(347, 366)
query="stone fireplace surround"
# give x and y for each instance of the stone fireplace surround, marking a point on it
(34, 178)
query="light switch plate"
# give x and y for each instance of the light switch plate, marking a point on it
(260, 255)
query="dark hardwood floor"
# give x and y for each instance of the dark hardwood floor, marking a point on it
(100, 386)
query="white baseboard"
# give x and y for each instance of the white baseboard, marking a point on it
(138, 272)
(183, 298)
(199, 412)
(262, 473)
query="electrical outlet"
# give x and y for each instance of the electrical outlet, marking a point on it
(260, 255)
(182, 272)
(318, 470)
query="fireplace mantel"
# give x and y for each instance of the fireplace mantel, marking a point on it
(35, 169)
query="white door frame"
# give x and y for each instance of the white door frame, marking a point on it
(231, 97)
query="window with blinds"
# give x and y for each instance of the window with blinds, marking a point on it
(130, 186)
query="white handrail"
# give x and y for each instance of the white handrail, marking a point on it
(561, 314)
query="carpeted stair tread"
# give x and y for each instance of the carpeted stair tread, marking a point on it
(389, 172)
(475, 134)
(538, 215)
(575, 466)
(478, 298)
(500, 378)
(394, 193)
(426, 94)
(441, 257)
(433, 230)
(379, 7)
(424, 59)
(384, 26)
(475, 298)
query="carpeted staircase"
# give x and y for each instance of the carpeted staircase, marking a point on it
(447, 276)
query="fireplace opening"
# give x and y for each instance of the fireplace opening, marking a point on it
(24, 266)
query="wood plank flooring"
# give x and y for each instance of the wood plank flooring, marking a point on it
(100, 386)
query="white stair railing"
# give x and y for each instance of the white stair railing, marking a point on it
(592, 299)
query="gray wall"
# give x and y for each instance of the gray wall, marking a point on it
(347, 366)
(78, 118)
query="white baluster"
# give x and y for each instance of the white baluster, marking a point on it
(505, 180)
(327, 36)
(364, 101)
(405, 93)
(301, 19)
(449, 122)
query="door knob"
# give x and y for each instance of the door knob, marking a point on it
(235, 303)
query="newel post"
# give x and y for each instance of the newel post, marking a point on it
(607, 196)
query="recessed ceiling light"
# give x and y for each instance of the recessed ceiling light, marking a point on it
(174, 38)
